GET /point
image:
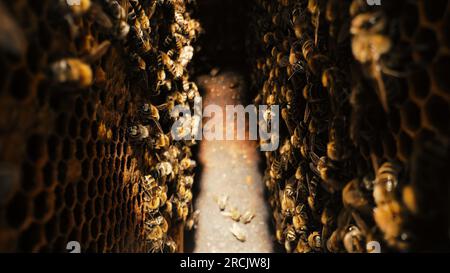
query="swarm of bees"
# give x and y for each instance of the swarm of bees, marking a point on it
(341, 180)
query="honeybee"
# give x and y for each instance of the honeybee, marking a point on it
(369, 44)
(234, 214)
(303, 246)
(138, 132)
(238, 232)
(353, 240)
(338, 147)
(142, 17)
(187, 164)
(390, 218)
(386, 182)
(148, 112)
(354, 197)
(287, 200)
(192, 222)
(119, 14)
(182, 209)
(300, 219)
(247, 217)
(299, 22)
(170, 246)
(77, 8)
(71, 71)
(164, 168)
(315, 241)
(221, 201)
(315, 7)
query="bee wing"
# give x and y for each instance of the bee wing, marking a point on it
(12, 38)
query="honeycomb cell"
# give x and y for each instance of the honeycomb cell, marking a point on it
(79, 107)
(445, 29)
(51, 229)
(85, 234)
(73, 127)
(43, 206)
(409, 19)
(94, 227)
(440, 73)
(36, 147)
(30, 238)
(17, 210)
(69, 196)
(59, 198)
(62, 172)
(404, 146)
(66, 221)
(389, 146)
(410, 116)
(48, 173)
(90, 149)
(419, 84)
(425, 45)
(434, 10)
(79, 151)
(82, 191)
(29, 181)
(437, 113)
(84, 129)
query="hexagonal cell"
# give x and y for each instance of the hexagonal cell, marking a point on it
(394, 120)
(73, 127)
(79, 107)
(62, 172)
(95, 227)
(78, 213)
(419, 84)
(437, 113)
(36, 147)
(440, 70)
(17, 211)
(29, 181)
(43, 207)
(85, 234)
(446, 31)
(68, 148)
(49, 174)
(434, 10)
(404, 146)
(79, 150)
(30, 238)
(51, 230)
(69, 196)
(409, 19)
(82, 191)
(389, 146)
(66, 221)
(84, 128)
(410, 116)
(425, 45)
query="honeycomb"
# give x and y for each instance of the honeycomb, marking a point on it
(70, 166)
(364, 103)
